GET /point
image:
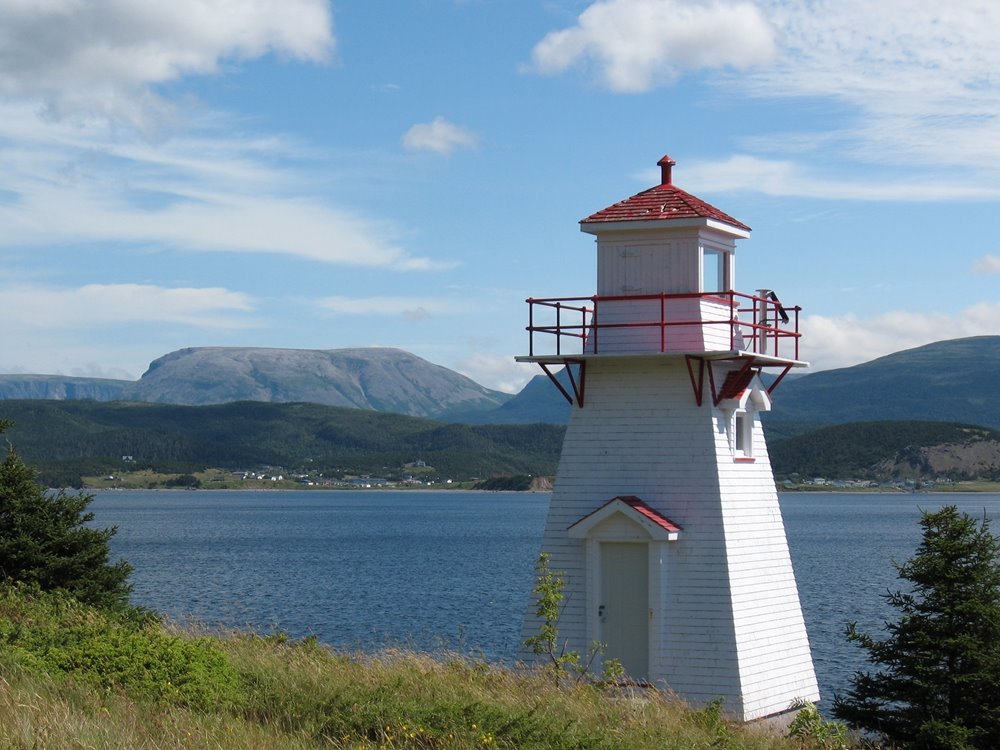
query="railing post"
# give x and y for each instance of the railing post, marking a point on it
(531, 327)
(732, 321)
(796, 332)
(558, 328)
(593, 323)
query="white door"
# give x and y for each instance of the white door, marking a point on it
(624, 605)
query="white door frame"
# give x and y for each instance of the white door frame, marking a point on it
(620, 520)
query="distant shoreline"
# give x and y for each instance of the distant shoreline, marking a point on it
(424, 490)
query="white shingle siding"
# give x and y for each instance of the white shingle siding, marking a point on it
(726, 617)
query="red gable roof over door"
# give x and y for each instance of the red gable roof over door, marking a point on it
(665, 202)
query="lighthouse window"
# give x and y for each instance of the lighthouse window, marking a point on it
(742, 435)
(712, 279)
(715, 271)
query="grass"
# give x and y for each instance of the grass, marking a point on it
(167, 689)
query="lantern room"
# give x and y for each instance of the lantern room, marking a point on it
(664, 240)
(666, 274)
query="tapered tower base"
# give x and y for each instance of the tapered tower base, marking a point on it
(664, 521)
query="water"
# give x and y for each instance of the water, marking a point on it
(356, 569)
(453, 570)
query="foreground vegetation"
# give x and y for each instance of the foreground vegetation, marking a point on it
(936, 682)
(72, 676)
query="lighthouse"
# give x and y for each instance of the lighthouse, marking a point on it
(664, 518)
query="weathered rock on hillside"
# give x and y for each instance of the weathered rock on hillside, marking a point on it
(979, 457)
(381, 379)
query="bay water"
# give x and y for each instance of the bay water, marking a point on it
(453, 570)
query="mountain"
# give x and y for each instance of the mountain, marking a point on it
(948, 381)
(58, 387)
(373, 378)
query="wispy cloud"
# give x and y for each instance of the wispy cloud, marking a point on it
(73, 74)
(782, 177)
(918, 76)
(911, 85)
(37, 307)
(439, 136)
(206, 192)
(635, 45)
(830, 342)
(409, 308)
(987, 265)
(103, 58)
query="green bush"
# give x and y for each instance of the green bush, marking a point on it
(126, 651)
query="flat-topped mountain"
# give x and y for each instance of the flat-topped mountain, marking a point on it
(381, 379)
(61, 388)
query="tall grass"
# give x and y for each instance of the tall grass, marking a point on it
(246, 691)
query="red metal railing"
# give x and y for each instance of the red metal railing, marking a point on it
(756, 324)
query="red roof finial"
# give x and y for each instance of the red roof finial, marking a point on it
(665, 164)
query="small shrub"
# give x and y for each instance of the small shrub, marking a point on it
(128, 651)
(814, 732)
(548, 589)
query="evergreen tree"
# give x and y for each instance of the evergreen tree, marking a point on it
(45, 540)
(938, 683)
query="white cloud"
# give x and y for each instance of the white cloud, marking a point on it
(211, 191)
(497, 371)
(916, 77)
(830, 342)
(410, 308)
(99, 305)
(788, 178)
(910, 85)
(988, 264)
(103, 57)
(635, 45)
(439, 136)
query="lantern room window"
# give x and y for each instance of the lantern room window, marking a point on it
(715, 270)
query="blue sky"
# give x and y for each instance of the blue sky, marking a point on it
(322, 175)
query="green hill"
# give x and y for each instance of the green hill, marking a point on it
(70, 439)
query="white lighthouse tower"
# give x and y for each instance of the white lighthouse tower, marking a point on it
(664, 517)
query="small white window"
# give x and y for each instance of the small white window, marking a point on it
(713, 271)
(743, 434)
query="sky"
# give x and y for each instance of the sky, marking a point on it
(352, 173)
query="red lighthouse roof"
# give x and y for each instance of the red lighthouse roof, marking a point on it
(665, 202)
